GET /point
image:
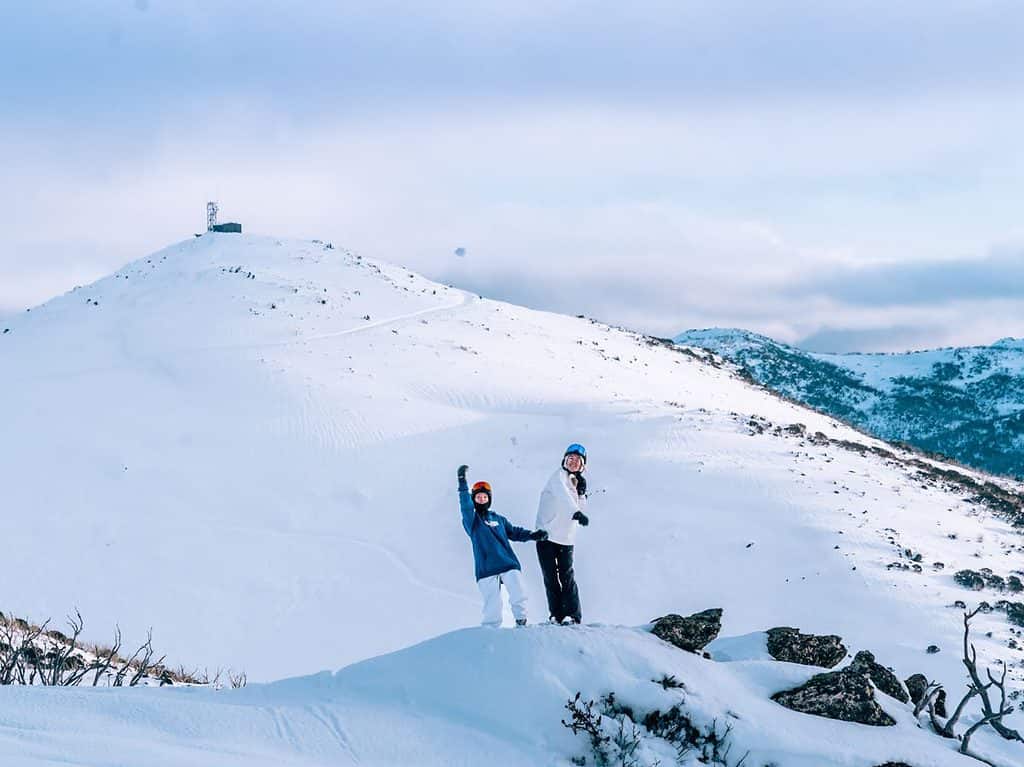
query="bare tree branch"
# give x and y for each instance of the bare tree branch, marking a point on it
(991, 715)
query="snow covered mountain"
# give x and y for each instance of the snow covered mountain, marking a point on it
(965, 403)
(249, 444)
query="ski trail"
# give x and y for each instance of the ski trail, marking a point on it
(404, 566)
(283, 729)
(394, 557)
(464, 300)
(330, 721)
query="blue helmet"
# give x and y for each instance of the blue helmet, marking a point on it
(575, 449)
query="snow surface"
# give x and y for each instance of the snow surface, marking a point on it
(216, 442)
(472, 697)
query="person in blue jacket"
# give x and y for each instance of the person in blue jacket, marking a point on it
(495, 562)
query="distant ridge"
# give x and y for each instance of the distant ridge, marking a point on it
(965, 403)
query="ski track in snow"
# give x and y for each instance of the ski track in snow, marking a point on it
(332, 724)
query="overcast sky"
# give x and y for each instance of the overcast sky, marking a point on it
(844, 175)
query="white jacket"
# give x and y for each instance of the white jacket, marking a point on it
(558, 502)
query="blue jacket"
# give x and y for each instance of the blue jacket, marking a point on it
(492, 552)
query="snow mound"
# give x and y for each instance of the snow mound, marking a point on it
(471, 697)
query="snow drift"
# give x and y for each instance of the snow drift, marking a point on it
(476, 696)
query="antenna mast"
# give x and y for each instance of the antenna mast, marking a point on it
(211, 216)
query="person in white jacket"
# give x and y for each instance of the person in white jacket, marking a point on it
(561, 513)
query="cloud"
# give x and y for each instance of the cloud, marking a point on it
(893, 338)
(112, 64)
(654, 164)
(659, 220)
(999, 275)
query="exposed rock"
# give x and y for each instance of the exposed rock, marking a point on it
(884, 679)
(691, 633)
(846, 695)
(788, 644)
(917, 685)
(932, 649)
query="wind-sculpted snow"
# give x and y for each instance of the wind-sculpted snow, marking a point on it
(250, 446)
(472, 697)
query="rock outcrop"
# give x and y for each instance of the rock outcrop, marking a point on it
(917, 685)
(788, 644)
(846, 695)
(883, 678)
(691, 633)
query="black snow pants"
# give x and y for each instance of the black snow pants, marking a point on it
(559, 580)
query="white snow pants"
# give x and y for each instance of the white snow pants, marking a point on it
(490, 589)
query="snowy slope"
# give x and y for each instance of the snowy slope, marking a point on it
(966, 403)
(216, 442)
(472, 697)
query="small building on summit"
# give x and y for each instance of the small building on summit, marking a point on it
(211, 221)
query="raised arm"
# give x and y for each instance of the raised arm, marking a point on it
(465, 501)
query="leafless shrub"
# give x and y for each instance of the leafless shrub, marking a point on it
(31, 654)
(991, 715)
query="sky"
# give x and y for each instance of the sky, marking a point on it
(845, 176)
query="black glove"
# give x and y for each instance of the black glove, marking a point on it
(539, 535)
(582, 518)
(462, 471)
(581, 485)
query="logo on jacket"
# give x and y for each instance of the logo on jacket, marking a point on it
(491, 522)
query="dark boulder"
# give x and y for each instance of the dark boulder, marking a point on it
(788, 644)
(884, 679)
(846, 695)
(691, 633)
(917, 685)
